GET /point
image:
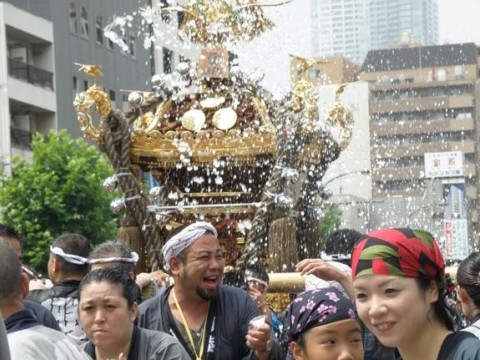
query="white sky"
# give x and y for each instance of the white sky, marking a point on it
(458, 22)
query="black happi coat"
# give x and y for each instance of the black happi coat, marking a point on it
(227, 324)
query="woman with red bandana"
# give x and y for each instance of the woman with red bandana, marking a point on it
(399, 284)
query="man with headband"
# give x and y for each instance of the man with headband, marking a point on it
(27, 338)
(210, 320)
(118, 255)
(321, 325)
(67, 265)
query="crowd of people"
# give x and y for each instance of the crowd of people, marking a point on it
(377, 296)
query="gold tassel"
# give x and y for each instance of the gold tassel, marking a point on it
(130, 233)
(282, 245)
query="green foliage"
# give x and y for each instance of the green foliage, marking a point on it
(331, 220)
(59, 192)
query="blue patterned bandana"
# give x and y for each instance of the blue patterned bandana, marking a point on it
(314, 308)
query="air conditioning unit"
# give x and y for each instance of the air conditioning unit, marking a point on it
(19, 54)
(21, 121)
(458, 72)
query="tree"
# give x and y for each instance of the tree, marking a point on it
(331, 220)
(59, 192)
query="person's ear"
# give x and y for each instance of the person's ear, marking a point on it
(296, 350)
(25, 285)
(55, 265)
(131, 275)
(175, 265)
(433, 293)
(133, 311)
(462, 294)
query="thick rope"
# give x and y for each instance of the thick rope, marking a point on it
(117, 148)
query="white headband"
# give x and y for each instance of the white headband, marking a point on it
(72, 259)
(133, 259)
(184, 239)
(261, 282)
(334, 257)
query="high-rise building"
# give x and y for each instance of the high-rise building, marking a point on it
(423, 133)
(41, 42)
(351, 28)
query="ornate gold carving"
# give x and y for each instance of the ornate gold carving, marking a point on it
(278, 302)
(341, 120)
(161, 149)
(305, 97)
(235, 21)
(91, 70)
(83, 105)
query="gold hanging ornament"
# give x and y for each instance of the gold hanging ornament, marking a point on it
(340, 120)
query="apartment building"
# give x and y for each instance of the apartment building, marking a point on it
(28, 101)
(43, 41)
(423, 109)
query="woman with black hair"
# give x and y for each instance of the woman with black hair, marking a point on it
(399, 284)
(468, 280)
(107, 312)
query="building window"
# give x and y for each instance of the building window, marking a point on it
(110, 44)
(315, 74)
(85, 85)
(75, 83)
(165, 15)
(167, 60)
(124, 46)
(84, 22)
(184, 59)
(72, 18)
(112, 95)
(180, 17)
(99, 27)
(132, 46)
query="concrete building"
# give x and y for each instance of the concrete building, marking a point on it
(327, 71)
(423, 107)
(351, 28)
(28, 102)
(169, 50)
(348, 177)
(44, 39)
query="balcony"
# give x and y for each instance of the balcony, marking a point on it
(419, 149)
(421, 104)
(412, 173)
(422, 126)
(30, 73)
(21, 139)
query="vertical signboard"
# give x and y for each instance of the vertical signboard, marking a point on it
(455, 219)
(456, 238)
(450, 167)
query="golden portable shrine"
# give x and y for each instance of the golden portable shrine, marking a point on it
(220, 147)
